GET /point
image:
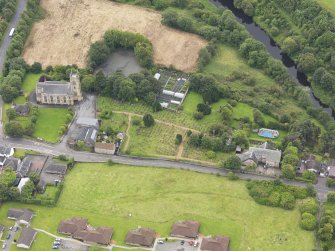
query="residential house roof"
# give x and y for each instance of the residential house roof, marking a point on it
(331, 171)
(56, 168)
(100, 235)
(107, 146)
(24, 167)
(23, 214)
(187, 228)
(55, 87)
(2, 160)
(217, 243)
(267, 154)
(141, 237)
(86, 134)
(27, 237)
(12, 163)
(6, 151)
(22, 109)
(70, 226)
(85, 121)
(37, 166)
(309, 162)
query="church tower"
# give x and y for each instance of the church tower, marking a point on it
(75, 86)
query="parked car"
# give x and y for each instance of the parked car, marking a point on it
(55, 247)
(196, 243)
(8, 237)
(182, 242)
(160, 242)
(4, 246)
(11, 228)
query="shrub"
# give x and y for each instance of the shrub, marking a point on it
(232, 176)
(148, 120)
(36, 67)
(204, 108)
(179, 139)
(308, 175)
(288, 171)
(189, 133)
(198, 115)
(309, 206)
(274, 199)
(287, 200)
(308, 221)
(210, 154)
(330, 182)
(331, 197)
(136, 122)
(233, 163)
(110, 162)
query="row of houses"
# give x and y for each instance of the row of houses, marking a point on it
(78, 228)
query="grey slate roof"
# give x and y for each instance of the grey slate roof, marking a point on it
(84, 121)
(56, 168)
(22, 109)
(27, 236)
(86, 134)
(55, 87)
(20, 214)
(24, 167)
(269, 155)
(12, 163)
(5, 150)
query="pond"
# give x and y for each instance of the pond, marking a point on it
(121, 60)
(260, 35)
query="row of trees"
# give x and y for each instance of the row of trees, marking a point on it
(7, 11)
(114, 39)
(312, 45)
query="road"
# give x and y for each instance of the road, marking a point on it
(6, 42)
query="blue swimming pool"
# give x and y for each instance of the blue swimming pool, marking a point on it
(266, 134)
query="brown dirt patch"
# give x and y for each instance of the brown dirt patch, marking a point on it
(71, 26)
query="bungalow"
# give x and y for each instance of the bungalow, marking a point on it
(26, 238)
(100, 235)
(141, 237)
(216, 243)
(187, 229)
(22, 215)
(261, 155)
(23, 168)
(56, 168)
(70, 226)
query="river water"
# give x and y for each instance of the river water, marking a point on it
(274, 50)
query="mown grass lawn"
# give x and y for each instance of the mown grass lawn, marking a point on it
(49, 122)
(157, 197)
(29, 82)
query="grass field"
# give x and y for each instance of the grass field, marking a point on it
(156, 198)
(29, 82)
(49, 122)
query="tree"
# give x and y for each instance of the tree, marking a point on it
(11, 114)
(291, 159)
(326, 232)
(8, 177)
(27, 190)
(240, 138)
(34, 177)
(87, 83)
(288, 171)
(331, 197)
(307, 62)
(98, 54)
(8, 93)
(36, 67)
(233, 163)
(14, 129)
(308, 221)
(204, 108)
(287, 200)
(148, 120)
(309, 206)
(179, 139)
(308, 175)
(327, 81)
(226, 114)
(258, 118)
(289, 45)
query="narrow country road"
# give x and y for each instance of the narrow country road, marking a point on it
(21, 5)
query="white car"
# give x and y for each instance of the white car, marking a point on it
(4, 246)
(160, 242)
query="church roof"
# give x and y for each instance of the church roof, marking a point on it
(55, 87)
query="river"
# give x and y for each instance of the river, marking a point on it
(274, 50)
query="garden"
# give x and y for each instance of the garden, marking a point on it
(108, 194)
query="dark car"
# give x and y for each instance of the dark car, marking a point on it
(8, 237)
(182, 242)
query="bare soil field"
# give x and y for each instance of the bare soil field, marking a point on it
(71, 26)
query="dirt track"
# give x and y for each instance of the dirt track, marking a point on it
(70, 26)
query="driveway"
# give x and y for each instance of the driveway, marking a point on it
(6, 41)
(10, 241)
(175, 246)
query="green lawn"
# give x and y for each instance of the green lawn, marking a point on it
(156, 198)
(49, 122)
(29, 82)
(42, 242)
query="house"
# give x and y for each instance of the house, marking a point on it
(100, 235)
(22, 183)
(262, 155)
(22, 215)
(87, 135)
(105, 148)
(187, 228)
(70, 226)
(2, 228)
(23, 168)
(12, 163)
(26, 238)
(90, 122)
(6, 151)
(59, 92)
(22, 110)
(216, 243)
(56, 168)
(309, 163)
(141, 237)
